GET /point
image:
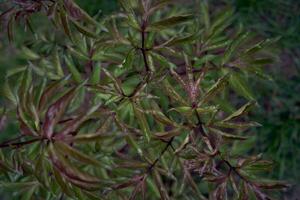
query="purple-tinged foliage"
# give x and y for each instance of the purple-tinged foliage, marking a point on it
(137, 105)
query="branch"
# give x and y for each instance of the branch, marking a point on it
(143, 49)
(160, 155)
(18, 144)
(232, 168)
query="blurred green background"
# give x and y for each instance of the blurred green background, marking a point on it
(279, 99)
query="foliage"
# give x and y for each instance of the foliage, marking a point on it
(279, 138)
(280, 135)
(134, 105)
(272, 18)
(93, 6)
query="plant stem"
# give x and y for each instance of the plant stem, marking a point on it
(160, 155)
(143, 49)
(232, 168)
(18, 144)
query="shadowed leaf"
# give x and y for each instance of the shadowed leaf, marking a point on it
(72, 152)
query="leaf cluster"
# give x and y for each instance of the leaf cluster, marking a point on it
(135, 106)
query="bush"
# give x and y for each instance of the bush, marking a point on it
(280, 135)
(137, 104)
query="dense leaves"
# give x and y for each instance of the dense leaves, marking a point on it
(134, 105)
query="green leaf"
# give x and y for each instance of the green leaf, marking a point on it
(217, 45)
(7, 92)
(261, 45)
(29, 54)
(95, 77)
(207, 109)
(160, 186)
(160, 117)
(56, 111)
(131, 20)
(62, 183)
(213, 90)
(183, 109)
(237, 125)
(189, 110)
(94, 137)
(73, 70)
(270, 184)
(92, 196)
(181, 40)
(241, 111)
(85, 31)
(227, 135)
(259, 166)
(243, 195)
(15, 71)
(129, 138)
(221, 19)
(77, 122)
(169, 22)
(229, 52)
(50, 91)
(162, 60)
(142, 121)
(116, 82)
(77, 155)
(261, 61)
(172, 93)
(57, 64)
(78, 54)
(10, 29)
(168, 134)
(158, 5)
(206, 58)
(91, 137)
(205, 14)
(25, 103)
(41, 171)
(128, 61)
(240, 85)
(20, 185)
(65, 24)
(258, 71)
(29, 193)
(25, 85)
(126, 5)
(68, 170)
(71, 6)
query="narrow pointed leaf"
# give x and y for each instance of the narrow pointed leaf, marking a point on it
(240, 86)
(85, 31)
(227, 135)
(244, 109)
(217, 87)
(62, 183)
(28, 54)
(73, 70)
(74, 124)
(69, 170)
(50, 91)
(237, 125)
(65, 25)
(55, 112)
(142, 121)
(233, 47)
(72, 152)
(168, 134)
(169, 22)
(95, 78)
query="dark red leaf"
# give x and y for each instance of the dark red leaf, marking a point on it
(55, 112)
